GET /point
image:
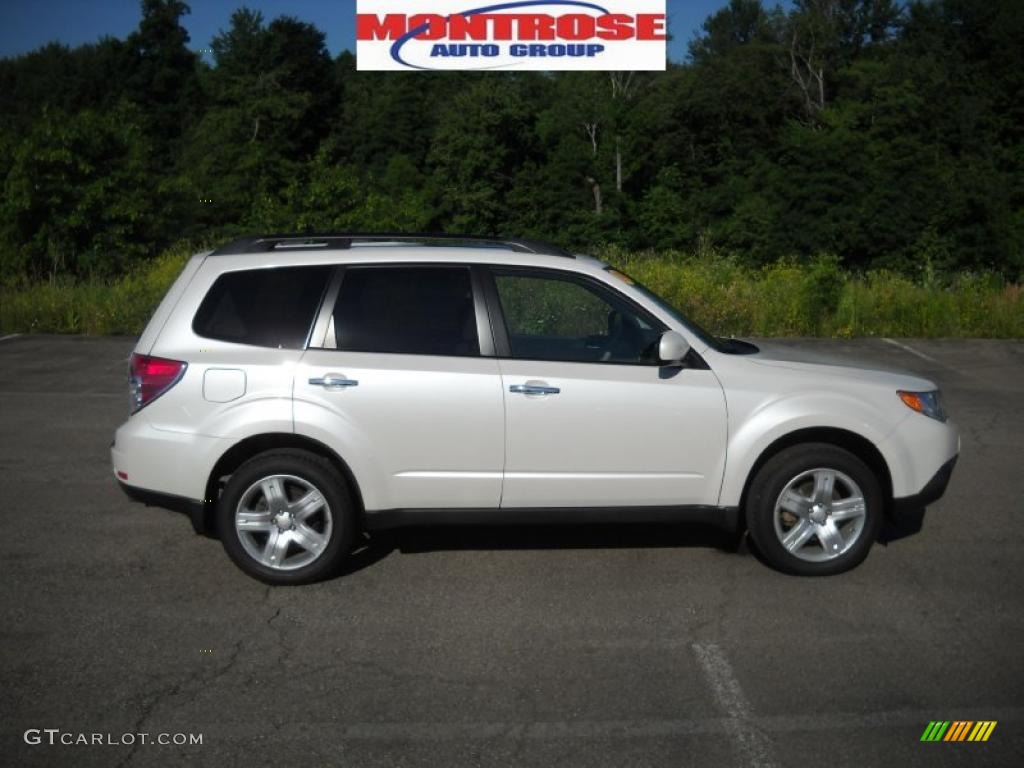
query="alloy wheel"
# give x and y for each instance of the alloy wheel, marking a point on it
(820, 515)
(283, 522)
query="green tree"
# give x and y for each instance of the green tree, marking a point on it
(330, 197)
(161, 74)
(481, 140)
(72, 201)
(887, 133)
(267, 94)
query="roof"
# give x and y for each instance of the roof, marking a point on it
(345, 240)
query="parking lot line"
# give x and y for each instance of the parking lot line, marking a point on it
(912, 351)
(751, 743)
(10, 336)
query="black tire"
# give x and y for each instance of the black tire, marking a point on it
(775, 476)
(317, 472)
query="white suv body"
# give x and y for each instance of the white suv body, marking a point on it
(442, 381)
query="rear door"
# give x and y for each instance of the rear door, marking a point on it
(592, 419)
(400, 383)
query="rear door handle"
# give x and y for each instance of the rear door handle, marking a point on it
(530, 388)
(334, 381)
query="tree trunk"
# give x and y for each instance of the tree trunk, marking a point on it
(591, 129)
(808, 74)
(598, 203)
(618, 164)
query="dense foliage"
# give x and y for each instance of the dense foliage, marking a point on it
(717, 290)
(887, 135)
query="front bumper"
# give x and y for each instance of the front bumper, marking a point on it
(932, 491)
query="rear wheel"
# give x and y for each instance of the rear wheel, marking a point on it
(286, 517)
(814, 510)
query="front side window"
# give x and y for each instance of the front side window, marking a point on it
(405, 310)
(263, 307)
(721, 345)
(555, 317)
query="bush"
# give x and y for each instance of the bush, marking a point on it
(93, 307)
(820, 298)
(787, 298)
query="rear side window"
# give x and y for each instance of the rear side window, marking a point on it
(405, 310)
(263, 307)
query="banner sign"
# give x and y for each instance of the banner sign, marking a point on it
(519, 35)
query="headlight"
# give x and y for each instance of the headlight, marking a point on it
(928, 403)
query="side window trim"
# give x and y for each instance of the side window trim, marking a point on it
(318, 334)
(500, 327)
(485, 337)
(495, 315)
(484, 331)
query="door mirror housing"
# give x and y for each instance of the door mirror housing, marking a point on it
(672, 348)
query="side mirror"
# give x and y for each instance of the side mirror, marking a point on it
(672, 348)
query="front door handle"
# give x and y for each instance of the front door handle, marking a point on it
(334, 381)
(532, 388)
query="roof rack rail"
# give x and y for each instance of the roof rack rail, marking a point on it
(263, 243)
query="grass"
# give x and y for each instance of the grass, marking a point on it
(784, 299)
(822, 299)
(121, 306)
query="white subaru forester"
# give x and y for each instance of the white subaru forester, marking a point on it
(291, 392)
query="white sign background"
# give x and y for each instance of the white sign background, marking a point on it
(630, 54)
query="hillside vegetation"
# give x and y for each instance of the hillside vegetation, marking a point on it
(887, 133)
(717, 291)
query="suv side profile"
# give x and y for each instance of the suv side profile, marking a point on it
(291, 392)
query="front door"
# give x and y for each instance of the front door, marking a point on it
(591, 419)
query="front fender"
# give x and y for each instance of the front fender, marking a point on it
(754, 429)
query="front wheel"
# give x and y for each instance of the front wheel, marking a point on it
(814, 510)
(286, 517)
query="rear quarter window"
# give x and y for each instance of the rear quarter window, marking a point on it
(263, 307)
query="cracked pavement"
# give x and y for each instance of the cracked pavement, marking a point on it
(501, 647)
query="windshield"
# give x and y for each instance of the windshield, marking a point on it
(712, 341)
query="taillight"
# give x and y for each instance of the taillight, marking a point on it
(149, 377)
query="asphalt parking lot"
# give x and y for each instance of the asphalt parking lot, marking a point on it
(614, 646)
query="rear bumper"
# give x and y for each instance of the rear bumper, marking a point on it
(932, 491)
(166, 462)
(165, 469)
(195, 509)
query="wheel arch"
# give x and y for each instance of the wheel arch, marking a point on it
(254, 445)
(856, 444)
